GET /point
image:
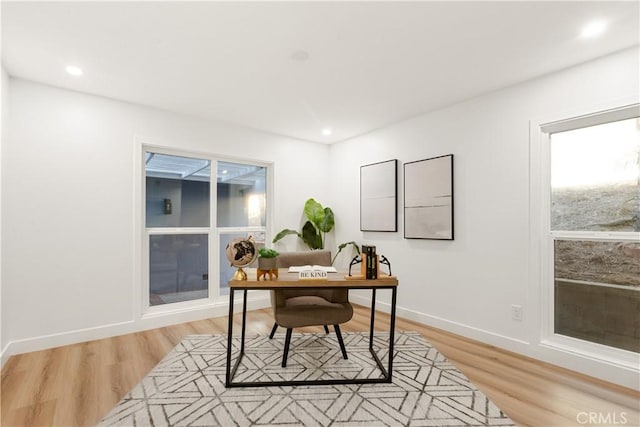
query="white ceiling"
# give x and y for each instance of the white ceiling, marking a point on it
(370, 64)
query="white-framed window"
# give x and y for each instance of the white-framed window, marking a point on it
(187, 223)
(586, 171)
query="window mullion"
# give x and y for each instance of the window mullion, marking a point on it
(191, 230)
(630, 236)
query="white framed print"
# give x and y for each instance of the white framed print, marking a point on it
(428, 198)
(378, 196)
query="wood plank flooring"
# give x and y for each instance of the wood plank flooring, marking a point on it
(77, 385)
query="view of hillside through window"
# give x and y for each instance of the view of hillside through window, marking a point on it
(595, 187)
(594, 178)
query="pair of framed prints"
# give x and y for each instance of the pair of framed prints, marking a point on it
(428, 197)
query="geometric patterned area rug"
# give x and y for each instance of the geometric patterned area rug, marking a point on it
(187, 387)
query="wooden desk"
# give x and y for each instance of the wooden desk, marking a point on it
(288, 280)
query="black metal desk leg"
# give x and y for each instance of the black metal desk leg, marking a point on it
(392, 331)
(373, 318)
(244, 319)
(229, 339)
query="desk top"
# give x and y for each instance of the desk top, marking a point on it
(290, 280)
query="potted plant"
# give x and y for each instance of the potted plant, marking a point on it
(320, 221)
(267, 258)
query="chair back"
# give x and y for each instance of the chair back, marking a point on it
(316, 257)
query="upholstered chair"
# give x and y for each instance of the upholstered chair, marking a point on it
(296, 308)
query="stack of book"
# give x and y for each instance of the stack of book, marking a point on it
(312, 272)
(370, 261)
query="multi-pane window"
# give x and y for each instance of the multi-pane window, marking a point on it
(180, 230)
(595, 225)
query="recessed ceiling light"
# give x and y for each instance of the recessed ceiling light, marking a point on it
(73, 70)
(326, 132)
(593, 29)
(225, 171)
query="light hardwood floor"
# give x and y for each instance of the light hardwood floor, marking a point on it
(77, 385)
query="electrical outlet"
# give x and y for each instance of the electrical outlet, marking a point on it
(516, 312)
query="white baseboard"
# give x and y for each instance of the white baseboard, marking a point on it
(217, 309)
(65, 338)
(4, 355)
(507, 343)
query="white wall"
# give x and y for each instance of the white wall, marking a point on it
(468, 285)
(70, 242)
(4, 113)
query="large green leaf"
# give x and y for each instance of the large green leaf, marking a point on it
(314, 212)
(311, 236)
(283, 233)
(327, 223)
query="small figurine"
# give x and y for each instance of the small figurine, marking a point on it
(271, 272)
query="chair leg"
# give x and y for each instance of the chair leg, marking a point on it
(287, 342)
(339, 335)
(273, 331)
(326, 329)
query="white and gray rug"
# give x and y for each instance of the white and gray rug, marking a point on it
(187, 387)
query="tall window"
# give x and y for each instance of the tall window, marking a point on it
(595, 232)
(187, 222)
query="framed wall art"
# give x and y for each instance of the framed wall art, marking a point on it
(428, 198)
(378, 196)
